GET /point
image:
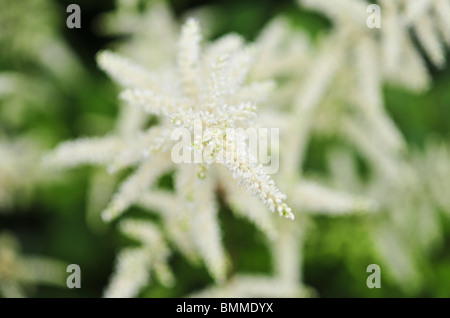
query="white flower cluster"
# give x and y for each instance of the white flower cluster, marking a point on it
(205, 91)
(18, 270)
(134, 264)
(362, 61)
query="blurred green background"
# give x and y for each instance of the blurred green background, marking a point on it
(54, 222)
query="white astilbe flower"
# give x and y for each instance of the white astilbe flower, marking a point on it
(434, 166)
(18, 174)
(407, 226)
(285, 279)
(382, 159)
(18, 271)
(316, 198)
(35, 58)
(398, 257)
(286, 245)
(190, 215)
(283, 52)
(244, 206)
(156, 25)
(142, 24)
(207, 92)
(349, 101)
(30, 45)
(400, 60)
(134, 264)
(205, 223)
(131, 273)
(111, 149)
(15, 105)
(198, 97)
(31, 35)
(287, 257)
(94, 151)
(319, 77)
(428, 19)
(133, 187)
(175, 216)
(101, 187)
(252, 286)
(308, 196)
(190, 218)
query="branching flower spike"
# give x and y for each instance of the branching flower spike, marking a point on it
(204, 91)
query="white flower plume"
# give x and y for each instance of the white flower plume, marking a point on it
(207, 90)
(18, 269)
(133, 265)
(203, 89)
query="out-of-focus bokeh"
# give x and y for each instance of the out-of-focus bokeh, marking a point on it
(51, 90)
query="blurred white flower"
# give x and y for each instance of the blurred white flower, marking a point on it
(19, 272)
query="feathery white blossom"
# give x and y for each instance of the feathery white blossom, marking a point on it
(205, 87)
(407, 225)
(357, 81)
(434, 166)
(252, 286)
(133, 265)
(142, 23)
(200, 94)
(18, 270)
